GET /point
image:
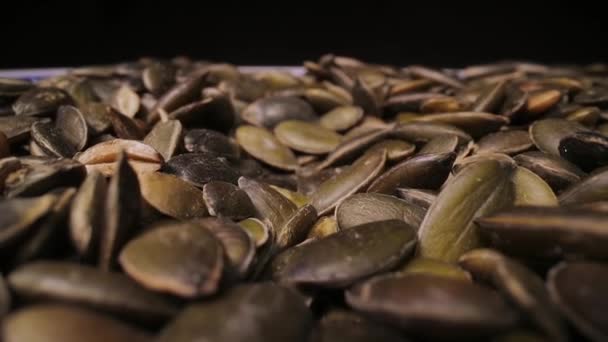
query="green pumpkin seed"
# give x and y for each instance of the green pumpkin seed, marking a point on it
(423, 132)
(507, 142)
(530, 189)
(441, 144)
(257, 230)
(347, 256)
(489, 100)
(323, 100)
(557, 172)
(271, 207)
(294, 197)
(591, 189)
(547, 134)
(262, 145)
(183, 259)
(165, 137)
(371, 207)
(270, 111)
(341, 118)
(396, 150)
(324, 226)
(477, 124)
(435, 267)
(419, 197)
(351, 148)
(307, 137)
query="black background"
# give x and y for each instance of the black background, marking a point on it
(442, 34)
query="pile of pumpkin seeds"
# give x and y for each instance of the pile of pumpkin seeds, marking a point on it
(181, 200)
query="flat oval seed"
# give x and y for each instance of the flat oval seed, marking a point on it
(294, 197)
(507, 142)
(165, 137)
(307, 137)
(482, 187)
(339, 325)
(477, 124)
(434, 75)
(108, 152)
(257, 230)
(490, 98)
(179, 95)
(40, 101)
(587, 150)
(17, 128)
(18, 215)
(172, 196)
(420, 197)
(122, 209)
(530, 189)
(579, 290)
(347, 256)
(210, 141)
(87, 214)
(547, 233)
(541, 102)
(50, 140)
(323, 100)
(341, 118)
(371, 207)
(125, 101)
(227, 200)
(348, 182)
(433, 306)
(427, 171)
(521, 285)
(271, 207)
(422, 132)
(270, 111)
(556, 171)
(349, 149)
(547, 134)
(73, 283)
(324, 226)
(396, 150)
(441, 144)
(59, 323)
(183, 259)
(590, 189)
(97, 116)
(273, 314)
(73, 126)
(264, 146)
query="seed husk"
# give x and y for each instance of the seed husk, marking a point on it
(547, 233)
(55, 323)
(267, 303)
(97, 116)
(441, 144)
(542, 101)
(482, 188)
(271, 207)
(5, 148)
(307, 137)
(441, 104)
(347, 256)
(427, 171)
(324, 100)
(270, 111)
(434, 75)
(172, 196)
(184, 259)
(122, 208)
(353, 179)
(125, 101)
(158, 77)
(165, 137)
(36, 177)
(419, 197)
(586, 116)
(227, 200)
(17, 128)
(294, 197)
(508, 142)
(341, 118)
(520, 285)
(491, 98)
(578, 289)
(71, 283)
(103, 156)
(422, 132)
(530, 189)
(363, 208)
(213, 112)
(547, 134)
(433, 306)
(264, 146)
(201, 168)
(65, 137)
(87, 214)
(179, 95)
(434, 267)
(349, 149)
(396, 150)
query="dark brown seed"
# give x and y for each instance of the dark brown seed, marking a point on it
(179, 95)
(349, 326)
(273, 314)
(61, 323)
(547, 134)
(215, 112)
(210, 141)
(420, 197)
(201, 168)
(38, 177)
(548, 233)
(371, 207)
(591, 189)
(126, 127)
(5, 148)
(183, 259)
(17, 128)
(515, 105)
(597, 96)
(41, 101)
(422, 132)
(434, 75)
(433, 306)
(588, 150)
(8, 166)
(165, 137)
(351, 148)
(521, 285)
(364, 97)
(50, 140)
(227, 200)
(270, 111)
(491, 98)
(427, 171)
(579, 290)
(557, 172)
(73, 283)
(87, 215)
(441, 144)
(271, 207)
(347, 256)
(159, 77)
(122, 209)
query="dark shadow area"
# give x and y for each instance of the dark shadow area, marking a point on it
(89, 32)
